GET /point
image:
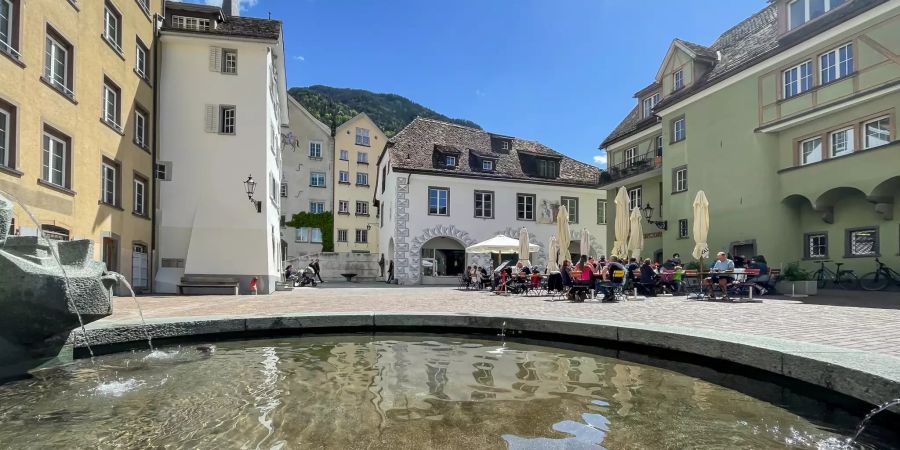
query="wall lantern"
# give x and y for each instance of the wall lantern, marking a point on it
(250, 186)
(648, 213)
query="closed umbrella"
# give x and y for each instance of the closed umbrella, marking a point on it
(562, 233)
(622, 224)
(524, 248)
(552, 251)
(701, 227)
(585, 242)
(636, 237)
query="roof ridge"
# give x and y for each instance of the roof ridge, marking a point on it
(447, 123)
(768, 8)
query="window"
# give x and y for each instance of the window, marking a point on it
(140, 128)
(450, 161)
(798, 79)
(317, 179)
(342, 235)
(842, 142)
(437, 201)
(547, 168)
(283, 221)
(315, 236)
(601, 212)
(659, 145)
(649, 103)
(802, 11)
(634, 198)
(362, 236)
(862, 242)
(345, 155)
(229, 119)
(315, 149)
(58, 63)
(344, 177)
(679, 179)
(571, 204)
(190, 23)
(8, 23)
(55, 233)
(678, 130)
(111, 99)
(110, 172)
(362, 208)
(343, 207)
(140, 196)
(878, 132)
(112, 31)
(525, 206)
(7, 127)
(487, 165)
(316, 207)
(362, 158)
(362, 136)
(484, 204)
(836, 64)
(140, 59)
(284, 189)
(811, 151)
(504, 145)
(816, 245)
(630, 155)
(362, 179)
(229, 61)
(163, 170)
(301, 235)
(55, 161)
(139, 266)
(677, 80)
(111, 253)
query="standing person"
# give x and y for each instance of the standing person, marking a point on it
(315, 267)
(390, 272)
(288, 271)
(381, 265)
(676, 259)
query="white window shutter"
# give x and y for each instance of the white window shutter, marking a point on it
(212, 119)
(215, 59)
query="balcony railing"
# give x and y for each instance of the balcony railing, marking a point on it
(630, 167)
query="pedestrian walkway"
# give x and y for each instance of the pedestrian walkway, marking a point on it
(862, 321)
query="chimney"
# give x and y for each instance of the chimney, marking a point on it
(231, 7)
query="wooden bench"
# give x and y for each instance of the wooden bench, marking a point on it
(209, 283)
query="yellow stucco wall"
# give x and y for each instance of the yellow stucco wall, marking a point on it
(345, 139)
(38, 105)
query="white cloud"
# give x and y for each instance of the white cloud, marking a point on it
(299, 58)
(600, 160)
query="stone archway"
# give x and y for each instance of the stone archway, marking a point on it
(408, 267)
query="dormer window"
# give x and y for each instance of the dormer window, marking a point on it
(190, 23)
(649, 103)
(504, 145)
(802, 11)
(450, 161)
(677, 80)
(487, 165)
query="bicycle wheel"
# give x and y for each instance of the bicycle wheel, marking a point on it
(873, 281)
(819, 276)
(848, 280)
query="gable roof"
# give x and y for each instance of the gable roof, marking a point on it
(631, 124)
(312, 118)
(355, 118)
(412, 148)
(234, 26)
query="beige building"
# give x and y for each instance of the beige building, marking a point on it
(77, 123)
(357, 143)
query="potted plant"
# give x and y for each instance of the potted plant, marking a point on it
(795, 280)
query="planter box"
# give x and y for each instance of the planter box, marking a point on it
(797, 287)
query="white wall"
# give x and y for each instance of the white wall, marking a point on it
(205, 216)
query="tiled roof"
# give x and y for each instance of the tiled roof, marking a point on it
(412, 149)
(247, 27)
(630, 125)
(699, 50)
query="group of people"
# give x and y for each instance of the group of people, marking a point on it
(313, 267)
(599, 275)
(477, 277)
(722, 273)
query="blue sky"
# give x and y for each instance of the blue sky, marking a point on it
(562, 72)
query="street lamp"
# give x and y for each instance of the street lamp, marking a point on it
(648, 213)
(250, 186)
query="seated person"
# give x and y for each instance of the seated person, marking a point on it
(648, 280)
(758, 262)
(723, 264)
(607, 280)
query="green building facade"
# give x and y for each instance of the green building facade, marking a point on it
(788, 122)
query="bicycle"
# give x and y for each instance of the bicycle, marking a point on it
(880, 278)
(844, 279)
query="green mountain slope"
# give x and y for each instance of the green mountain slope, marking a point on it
(333, 106)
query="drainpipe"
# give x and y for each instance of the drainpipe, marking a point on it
(154, 154)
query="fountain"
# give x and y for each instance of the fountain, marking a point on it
(47, 289)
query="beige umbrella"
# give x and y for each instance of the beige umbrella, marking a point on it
(622, 224)
(701, 226)
(553, 249)
(585, 242)
(562, 233)
(524, 248)
(636, 237)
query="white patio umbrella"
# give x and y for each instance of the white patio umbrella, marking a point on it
(552, 250)
(585, 242)
(499, 244)
(636, 235)
(524, 247)
(622, 224)
(562, 233)
(701, 227)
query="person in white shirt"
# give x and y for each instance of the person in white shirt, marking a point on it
(722, 265)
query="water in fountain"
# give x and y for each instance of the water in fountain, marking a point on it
(144, 327)
(503, 330)
(54, 252)
(862, 425)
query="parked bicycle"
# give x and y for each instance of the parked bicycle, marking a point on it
(844, 279)
(880, 278)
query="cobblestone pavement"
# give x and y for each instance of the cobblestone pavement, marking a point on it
(855, 320)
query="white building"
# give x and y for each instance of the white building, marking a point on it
(222, 103)
(443, 187)
(307, 184)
